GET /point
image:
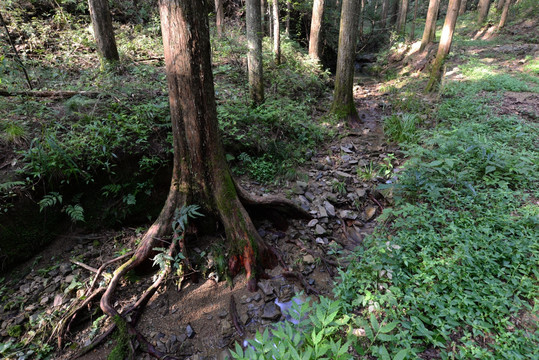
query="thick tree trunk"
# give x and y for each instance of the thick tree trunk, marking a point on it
(219, 17)
(383, 17)
(505, 12)
(343, 99)
(103, 31)
(482, 11)
(445, 44)
(394, 13)
(430, 23)
(462, 8)
(499, 5)
(254, 56)
(401, 20)
(412, 31)
(316, 27)
(276, 33)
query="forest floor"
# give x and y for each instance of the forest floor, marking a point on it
(339, 186)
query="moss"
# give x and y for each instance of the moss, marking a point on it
(15, 331)
(122, 349)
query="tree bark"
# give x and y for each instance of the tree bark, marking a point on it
(394, 12)
(383, 17)
(445, 44)
(316, 27)
(361, 17)
(254, 56)
(401, 20)
(430, 23)
(505, 12)
(288, 14)
(276, 33)
(412, 31)
(219, 17)
(343, 99)
(103, 32)
(500, 4)
(462, 8)
(482, 11)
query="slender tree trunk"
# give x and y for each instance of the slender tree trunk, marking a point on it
(401, 20)
(430, 23)
(500, 4)
(254, 56)
(262, 16)
(361, 17)
(103, 31)
(316, 27)
(383, 17)
(343, 98)
(482, 11)
(276, 33)
(270, 20)
(462, 8)
(219, 17)
(394, 12)
(288, 14)
(412, 31)
(505, 12)
(445, 44)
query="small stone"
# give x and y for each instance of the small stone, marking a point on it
(65, 268)
(312, 223)
(182, 338)
(30, 308)
(322, 213)
(244, 318)
(319, 230)
(189, 331)
(329, 208)
(308, 259)
(311, 281)
(44, 300)
(369, 212)
(223, 314)
(321, 241)
(348, 214)
(69, 278)
(58, 300)
(209, 317)
(309, 196)
(257, 297)
(361, 193)
(266, 288)
(271, 312)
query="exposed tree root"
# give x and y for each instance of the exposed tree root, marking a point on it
(234, 316)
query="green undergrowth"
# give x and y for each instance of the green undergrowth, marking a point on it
(456, 262)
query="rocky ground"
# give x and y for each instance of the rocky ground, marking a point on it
(338, 189)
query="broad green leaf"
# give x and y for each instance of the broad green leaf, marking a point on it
(401, 355)
(374, 323)
(384, 329)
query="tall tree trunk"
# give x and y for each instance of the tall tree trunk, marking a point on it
(262, 16)
(276, 33)
(482, 11)
(383, 17)
(412, 31)
(361, 17)
(270, 20)
(401, 20)
(288, 14)
(219, 17)
(430, 23)
(316, 27)
(394, 12)
(343, 98)
(254, 56)
(462, 8)
(505, 12)
(499, 5)
(445, 44)
(103, 31)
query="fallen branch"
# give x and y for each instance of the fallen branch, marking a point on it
(84, 266)
(49, 93)
(235, 317)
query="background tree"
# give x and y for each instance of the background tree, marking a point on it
(482, 11)
(401, 19)
(103, 31)
(500, 4)
(383, 16)
(445, 44)
(462, 8)
(219, 17)
(412, 30)
(276, 32)
(430, 23)
(316, 27)
(343, 98)
(254, 55)
(505, 12)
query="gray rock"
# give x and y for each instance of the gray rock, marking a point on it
(257, 297)
(69, 278)
(322, 213)
(312, 223)
(321, 241)
(65, 268)
(309, 196)
(308, 259)
(189, 331)
(329, 208)
(271, 312)
(348, 214)
(223, 314)
(267, 288)
(319, 230)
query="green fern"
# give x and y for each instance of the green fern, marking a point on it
(75, 212)
(49, 200)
